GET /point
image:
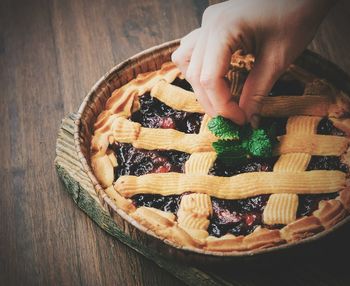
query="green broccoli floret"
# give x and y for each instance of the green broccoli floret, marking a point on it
(223, 128)
(237, 144)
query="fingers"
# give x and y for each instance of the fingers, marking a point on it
(205, 62)
(204, 58)
(206, 69)
(194, 71)
(267, 69)
(215, 66)
(181, 57)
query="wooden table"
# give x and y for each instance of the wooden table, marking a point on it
(51, 53)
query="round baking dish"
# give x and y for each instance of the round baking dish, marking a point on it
(151, 60)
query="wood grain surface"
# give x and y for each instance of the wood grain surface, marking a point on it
(51, 53)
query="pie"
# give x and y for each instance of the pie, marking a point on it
(152, 153)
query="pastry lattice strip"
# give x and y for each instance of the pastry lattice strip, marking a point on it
(200, 163)
(126, 131)
(167, 139)
(193, 214)
(293, 162)
(285, 106)
(282, 208)
(237, 187)
(195, 209)
(321, 145)
(279, 106)
(176, 97)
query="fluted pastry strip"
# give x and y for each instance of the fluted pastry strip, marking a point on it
(292, 162)
(176, 97)
(281, 209)
(193, 214)
(170, 139)
(237, 187)
(200, 163)
(195, 208)
(321, 145)
(284, 106)
(302, 125)
(297, 162)
(126, 131)
(204, 125)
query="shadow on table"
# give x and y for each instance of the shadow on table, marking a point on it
(323, 262)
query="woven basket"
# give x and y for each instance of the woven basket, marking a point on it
(151, 60)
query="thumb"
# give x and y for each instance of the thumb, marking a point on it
(266, 71)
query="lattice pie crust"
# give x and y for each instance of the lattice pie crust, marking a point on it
(189, 227)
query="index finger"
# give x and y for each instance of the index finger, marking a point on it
(214, 69)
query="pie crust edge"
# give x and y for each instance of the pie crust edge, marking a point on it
(260, 238)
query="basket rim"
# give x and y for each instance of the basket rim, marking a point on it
(106, 201)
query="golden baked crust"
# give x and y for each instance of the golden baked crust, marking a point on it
(241, 186)
(189, 227)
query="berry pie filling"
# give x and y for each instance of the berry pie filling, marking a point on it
(238, 217)
(155, 114)
(287, 86)
(138, 162)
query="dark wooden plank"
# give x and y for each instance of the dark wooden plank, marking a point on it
(51, 53)
(28, 223)
(93, 36)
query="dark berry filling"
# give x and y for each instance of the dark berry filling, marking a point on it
(155, 114)
(164, 203)
(238, 217)
(278, 125)
(326, 127)
(309, 203)
(183, 84)
(327, 163)
(288, 86)
(254, 165)
(138, 162)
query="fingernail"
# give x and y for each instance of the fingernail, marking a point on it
(255, 120)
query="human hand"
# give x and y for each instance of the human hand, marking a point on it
(275, 31)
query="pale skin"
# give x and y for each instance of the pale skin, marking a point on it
(275, 31)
